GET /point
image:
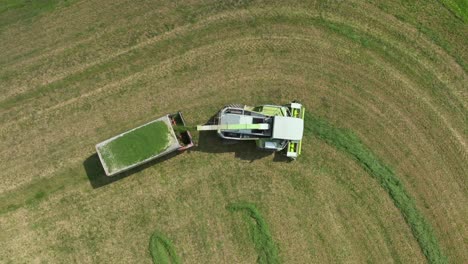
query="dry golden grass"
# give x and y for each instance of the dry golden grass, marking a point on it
(84, 72)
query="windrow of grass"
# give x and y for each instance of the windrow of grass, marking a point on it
(172, 46)
(458, 7)
(162, 250)
(13, 11)
(346, 141)
(264, 244)
(40, 189)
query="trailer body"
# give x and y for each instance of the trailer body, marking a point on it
(143, 144)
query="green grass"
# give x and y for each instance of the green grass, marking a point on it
(13, 11)
(458, 7)
(162, 250)
(349, 143)
(136, 146)
(66, 89)
(31, 8)
(93, 75)
(37, 191)
(411, 12)
(264, 244)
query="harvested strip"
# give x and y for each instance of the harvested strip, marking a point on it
(349, 143)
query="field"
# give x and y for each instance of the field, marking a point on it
(383, 172)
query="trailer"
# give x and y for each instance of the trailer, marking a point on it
(143, 144)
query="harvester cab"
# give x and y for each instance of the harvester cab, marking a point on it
(272, 127)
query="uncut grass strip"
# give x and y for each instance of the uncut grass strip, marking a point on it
(162, 250)
(263, 241)
(346, 141)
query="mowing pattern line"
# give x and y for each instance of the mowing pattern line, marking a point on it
(392, 71)
(349, 143)
(458, 7)
(162, 250)
(264, 245)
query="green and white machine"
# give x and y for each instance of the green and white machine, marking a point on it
(272, 127)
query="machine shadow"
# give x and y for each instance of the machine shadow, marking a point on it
(210, 142)
(98, 178)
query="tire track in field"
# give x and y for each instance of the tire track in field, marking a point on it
(141, 75)
(424, 98)
(347, 142)
(262, 239)
(81, 15)
(164, 68)
(162, 37)
(436, 111)
(162, 250)
(161, 69)
(170, 34)
(78, 98)
(157, 38)
(138, 75)
(434, 68)
(69, 41)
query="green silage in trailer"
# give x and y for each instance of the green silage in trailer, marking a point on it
(136, 146)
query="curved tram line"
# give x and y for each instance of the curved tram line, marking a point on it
(162, 250)
(348, 142)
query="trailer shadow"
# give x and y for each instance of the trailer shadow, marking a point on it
(98, 178)
(210, 142)
(207, 141)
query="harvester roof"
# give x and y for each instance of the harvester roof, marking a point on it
(289, 128)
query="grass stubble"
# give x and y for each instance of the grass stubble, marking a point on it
(344, 140)
(347, 142)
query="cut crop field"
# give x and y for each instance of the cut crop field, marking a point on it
(383, 173)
